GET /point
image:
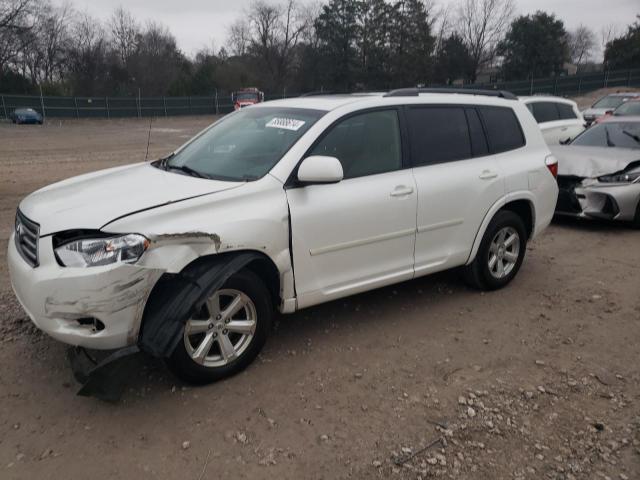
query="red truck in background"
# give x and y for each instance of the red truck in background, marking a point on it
(245, 97)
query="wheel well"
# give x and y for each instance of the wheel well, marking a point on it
(269, 274)
(524, 209)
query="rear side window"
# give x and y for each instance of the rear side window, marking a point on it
(545, 112)
(366, 144)
(566, 112)
(503, 129)
(438, 134)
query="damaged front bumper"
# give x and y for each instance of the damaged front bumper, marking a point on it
(96, 307)
(593, 199)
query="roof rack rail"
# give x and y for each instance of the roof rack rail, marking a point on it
(414, 92)
(315, 94)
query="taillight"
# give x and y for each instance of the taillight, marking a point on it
(552, 164)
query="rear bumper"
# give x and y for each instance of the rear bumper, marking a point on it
(61, 301)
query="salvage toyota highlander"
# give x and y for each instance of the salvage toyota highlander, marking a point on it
(278, 207)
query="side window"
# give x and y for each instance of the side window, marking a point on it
(566, 112)
(438, 134)
(503, 129)
(545, 112)
(365, 144)
(479, 145)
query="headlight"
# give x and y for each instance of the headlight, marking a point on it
(93, 252)
(621, 178)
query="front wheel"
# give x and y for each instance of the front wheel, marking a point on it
(500, 254)
(223, 336)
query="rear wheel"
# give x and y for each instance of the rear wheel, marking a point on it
(500, 254)
(223, 336)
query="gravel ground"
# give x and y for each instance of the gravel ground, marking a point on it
(419, 380)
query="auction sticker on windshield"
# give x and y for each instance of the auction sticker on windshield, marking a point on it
(285, 123)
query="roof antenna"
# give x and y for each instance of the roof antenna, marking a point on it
(148, 138)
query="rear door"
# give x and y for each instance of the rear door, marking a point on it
(357, 234)
(571, 123)
(548, 118)
(458, 182)
(558, 121)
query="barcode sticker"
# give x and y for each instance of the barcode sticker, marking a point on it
(285, 123)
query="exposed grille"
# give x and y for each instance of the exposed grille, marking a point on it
(27, 234)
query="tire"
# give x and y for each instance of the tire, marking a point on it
(484, 272)
(210, 329)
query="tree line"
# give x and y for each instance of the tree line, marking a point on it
(283, 45)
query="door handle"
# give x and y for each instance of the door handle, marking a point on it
(401, 191)
(488, 175)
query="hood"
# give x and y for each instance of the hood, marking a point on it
(591, 162)
(93, 200)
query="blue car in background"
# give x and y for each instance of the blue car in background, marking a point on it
(25, 115)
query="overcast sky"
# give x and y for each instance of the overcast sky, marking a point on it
(199, 23)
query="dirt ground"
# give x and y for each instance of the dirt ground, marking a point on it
(419, 380)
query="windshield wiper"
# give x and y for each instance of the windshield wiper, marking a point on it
(629, 134)
(608, 137)
(187, 170)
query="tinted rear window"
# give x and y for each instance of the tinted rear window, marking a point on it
(545, 112)
(503, 129)
(566, 112)
(438, 134)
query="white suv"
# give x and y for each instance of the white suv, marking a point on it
(281, 206)
(559, 118)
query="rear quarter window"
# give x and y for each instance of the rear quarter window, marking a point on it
(503, 129)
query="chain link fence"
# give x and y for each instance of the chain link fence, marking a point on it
(118, 107)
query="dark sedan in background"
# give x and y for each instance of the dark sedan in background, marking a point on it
(25, 116)
(599, 172)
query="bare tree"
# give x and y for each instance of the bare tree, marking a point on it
(481, 25)
(582, 42)
(125, 32)
(275, 32)
(239, 37)
(607, 33)
(17, 19)
(87, 55)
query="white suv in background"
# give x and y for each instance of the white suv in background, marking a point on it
(278, 207)
(559, 118)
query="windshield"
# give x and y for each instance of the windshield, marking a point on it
(618, 134)
(611, 101)
(25, 111)
(245, 145)
(246, 97)
(629, 108)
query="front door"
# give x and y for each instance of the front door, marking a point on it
(357, 234)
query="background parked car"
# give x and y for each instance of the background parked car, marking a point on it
(606, 104)
(599, 173)
(559, 119)
(25, 115)
(627, 109)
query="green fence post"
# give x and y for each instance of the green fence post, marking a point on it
(189, 99)
(4, 108)
(629, 78)
(531, 86)
(555, 85)
(579, 84)
(75, 102)
(164, 105)
(106, 102)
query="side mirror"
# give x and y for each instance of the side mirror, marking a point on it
(320, 169)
